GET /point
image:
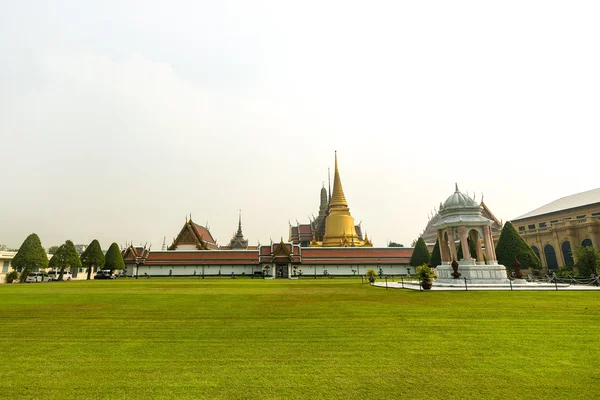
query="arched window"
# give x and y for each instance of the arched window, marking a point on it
(586, 243)
(567, 253)
(536, 251)
(550, 254)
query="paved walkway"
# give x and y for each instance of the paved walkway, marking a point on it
(461, 287)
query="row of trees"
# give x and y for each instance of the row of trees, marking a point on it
(31, 255)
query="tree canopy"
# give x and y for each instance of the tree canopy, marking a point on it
(114, 258)
(31, 255)
(511, 245)
(53, 249)
(587, 260)
(394, 244)
(420, 254)
(436, 257)
(92, 257)
(65, 257)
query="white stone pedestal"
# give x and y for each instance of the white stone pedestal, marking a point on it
(476, 273)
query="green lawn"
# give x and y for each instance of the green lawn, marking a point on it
(315, 339)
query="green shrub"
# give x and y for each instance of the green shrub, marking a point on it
(11, 276)
(371, 275)
(425, 273)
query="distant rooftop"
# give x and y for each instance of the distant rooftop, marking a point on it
(565, 203)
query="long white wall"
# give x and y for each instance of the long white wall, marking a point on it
(307, 270)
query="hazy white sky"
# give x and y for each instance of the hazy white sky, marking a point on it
(118, 118)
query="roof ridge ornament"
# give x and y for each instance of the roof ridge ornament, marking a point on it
(456, 186)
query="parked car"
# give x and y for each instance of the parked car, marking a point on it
(104, 274)
(54, 275)
(38, 277)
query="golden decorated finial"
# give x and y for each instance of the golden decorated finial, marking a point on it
(337, 198)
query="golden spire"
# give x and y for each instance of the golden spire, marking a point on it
(337, 198)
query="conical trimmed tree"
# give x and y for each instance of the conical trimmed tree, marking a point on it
(114, 258)
(65, 257)
(420, 254)
(511, 245)
(436, 257)
(31, 255)
(92, 257)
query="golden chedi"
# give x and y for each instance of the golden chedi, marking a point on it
(339, 225)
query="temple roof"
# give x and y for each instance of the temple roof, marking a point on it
(194, 234)
(459, 200)
(238, 241)
(460, 209)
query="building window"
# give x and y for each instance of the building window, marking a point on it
(521, 228)
(542, 224)
(5, 267)
(596, 214)
(586, 243)
(536, 251)
(580, 216)
(567, 254)
(550, 254)
(531, 226)
(554, 221)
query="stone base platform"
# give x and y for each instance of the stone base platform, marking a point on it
(437, 286)
(475, 272)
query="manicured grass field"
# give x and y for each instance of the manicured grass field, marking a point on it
(315, 339)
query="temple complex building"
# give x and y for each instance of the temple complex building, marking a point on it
(555, 229)
(330, 245)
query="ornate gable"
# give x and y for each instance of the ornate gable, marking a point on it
(189, 236)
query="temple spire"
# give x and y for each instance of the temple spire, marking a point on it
(337, 198)
(329, 180)
(239, 232)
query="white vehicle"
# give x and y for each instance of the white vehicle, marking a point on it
(55, 274)
(38, 277)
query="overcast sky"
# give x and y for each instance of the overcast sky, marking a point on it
(118, 118)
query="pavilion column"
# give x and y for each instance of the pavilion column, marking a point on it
(478, 248)
(488, 245)
(492, 242)
(442, 245)
(451, 244)
(464, 243)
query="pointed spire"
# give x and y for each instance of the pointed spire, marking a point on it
(239, 231)
(164, 245)
(337, 198)
(456, 186)
(329, 178)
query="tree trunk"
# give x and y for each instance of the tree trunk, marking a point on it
(24, 274)
(89, 273)
(62, 271)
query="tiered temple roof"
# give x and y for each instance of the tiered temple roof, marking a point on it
(193, 236)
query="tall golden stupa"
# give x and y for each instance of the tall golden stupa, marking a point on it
(339, 224)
